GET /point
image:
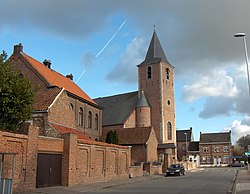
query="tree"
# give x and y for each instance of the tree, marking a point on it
(238, 151)
(16, 96)
(244, 141)
(112, 137)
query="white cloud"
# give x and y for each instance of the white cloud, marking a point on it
(239, 128)
(212, 84)
(126, 69)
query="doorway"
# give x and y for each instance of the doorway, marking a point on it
(48, 170)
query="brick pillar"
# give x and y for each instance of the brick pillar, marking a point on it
(69, 159)
(31, 165)
(1, 142)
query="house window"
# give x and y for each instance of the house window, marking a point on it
(169, 128)
(80, 117)
(96, 122)
(205, 149)
(204, 159)
(209, 159)
(225, 148)
(149, 72)
(184, 147)
(90, 120)
(167, 73)
(216, 149)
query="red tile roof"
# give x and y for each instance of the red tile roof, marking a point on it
(44, 98)
(56, 79)
(131, 136)
(82, 138)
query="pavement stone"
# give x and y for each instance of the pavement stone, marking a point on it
(242, 182)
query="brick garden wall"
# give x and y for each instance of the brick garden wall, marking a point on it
(81, 162)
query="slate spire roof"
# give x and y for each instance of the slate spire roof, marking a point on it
(155, 51)
(142, 101)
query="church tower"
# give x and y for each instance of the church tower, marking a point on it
(156, 80)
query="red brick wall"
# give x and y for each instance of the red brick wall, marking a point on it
(130, 122)
(152, 145)
(25, 165)
(92, 163)
(62, 113)
(143, 117)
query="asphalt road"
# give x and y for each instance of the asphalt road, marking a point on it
(207, 181)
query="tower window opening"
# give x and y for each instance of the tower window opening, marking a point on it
(167, 73)
(169, 129)
(149, 72)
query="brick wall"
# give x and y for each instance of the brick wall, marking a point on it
(25, 165)
(86, 163)
(81, 162)
(63, 113)
(152, 144)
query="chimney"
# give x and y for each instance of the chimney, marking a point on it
(18, 48)
(47, 63)
(70, 76)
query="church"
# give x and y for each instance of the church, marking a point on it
(145, 119)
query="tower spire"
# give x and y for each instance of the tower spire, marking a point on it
(155, 51)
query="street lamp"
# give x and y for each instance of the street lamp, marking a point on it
(243, 35)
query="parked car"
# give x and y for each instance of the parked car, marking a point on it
(237, 164)
(175, 169)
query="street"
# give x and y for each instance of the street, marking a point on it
(207, 181)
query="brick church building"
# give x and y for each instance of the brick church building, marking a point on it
(151, 109)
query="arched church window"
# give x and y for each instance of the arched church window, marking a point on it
(96, 122)
(167, 73)
(80, 117)
(149, 72)
(90, 120)
(169, 129)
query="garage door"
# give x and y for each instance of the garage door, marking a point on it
(48, 170)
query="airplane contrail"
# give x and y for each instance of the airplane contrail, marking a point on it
(123, 23)
(112, 37)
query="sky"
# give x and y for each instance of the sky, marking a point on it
(101, 42)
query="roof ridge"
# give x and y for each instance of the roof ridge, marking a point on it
(116, 95)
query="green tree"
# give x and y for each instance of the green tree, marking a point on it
(16, 96)
(112, 137)
(238, 151)
(244, 141)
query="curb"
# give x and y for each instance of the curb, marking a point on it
(232, 186)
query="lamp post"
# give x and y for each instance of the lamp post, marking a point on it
(243, 35)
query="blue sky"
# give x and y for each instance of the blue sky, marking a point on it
(197, 36)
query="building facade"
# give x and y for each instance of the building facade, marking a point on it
(215, 149)
(59, 100)
(183, 138)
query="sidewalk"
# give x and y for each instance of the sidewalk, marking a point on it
(242, 182)
(83, 188)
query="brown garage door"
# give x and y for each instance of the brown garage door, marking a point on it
(48, 170)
